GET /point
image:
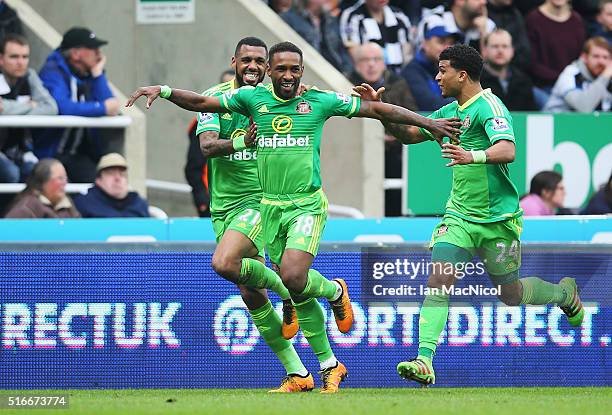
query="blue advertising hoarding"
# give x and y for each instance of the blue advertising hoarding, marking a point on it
(157, 316)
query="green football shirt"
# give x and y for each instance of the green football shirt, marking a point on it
(289, 133)
(481, 193)
(232, 179)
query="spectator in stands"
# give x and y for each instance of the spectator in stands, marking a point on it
(74, 75)
(110, 196)
(370, 68)
(584, 86)
(196, 172)
(506, 81)
(280, 6)
(546, 194)
(556, 34)
(45, 194)
(319, 28)
(421, 72)
(508, 17)
(9, 21)
(466, 19)
(22, 93)
(376, 21)
(601, 202)
(604, 20)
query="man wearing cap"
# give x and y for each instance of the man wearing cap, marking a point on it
(74, 75)
(421, 72)
(109, 197)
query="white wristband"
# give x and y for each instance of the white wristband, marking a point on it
(479, 156)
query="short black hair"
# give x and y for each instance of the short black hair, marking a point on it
(250, 41)
(464, 58)
(284, 47)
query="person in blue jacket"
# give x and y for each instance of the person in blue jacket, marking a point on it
(420, 73)
(74, 75)
(110, 197)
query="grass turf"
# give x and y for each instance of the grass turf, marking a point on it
(473, 401)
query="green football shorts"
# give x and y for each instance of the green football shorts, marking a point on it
(497, 244)
(246, 220)
(293, 222)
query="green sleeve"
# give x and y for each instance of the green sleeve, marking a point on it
(237, 100)
(499, 128)
(208, 121)
(339, 104)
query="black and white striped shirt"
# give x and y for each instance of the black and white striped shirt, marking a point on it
(358, 27)
(445, 18)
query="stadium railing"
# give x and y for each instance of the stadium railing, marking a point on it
(134, 142)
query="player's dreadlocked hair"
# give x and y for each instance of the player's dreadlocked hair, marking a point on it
(284, 47)
(250, 41)
(464, 58)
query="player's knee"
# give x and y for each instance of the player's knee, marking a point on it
(226, 266)
(439, 280)
(293, 278)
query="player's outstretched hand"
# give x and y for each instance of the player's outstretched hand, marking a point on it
(367, 93)
(458, 155)
(445, 127)
(250, 138)
(151, 92)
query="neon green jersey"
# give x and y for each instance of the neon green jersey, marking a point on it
(289, 133)
(232, 179)
(481, 192)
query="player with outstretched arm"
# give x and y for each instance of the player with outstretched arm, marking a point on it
(482, 213)
(294, 206)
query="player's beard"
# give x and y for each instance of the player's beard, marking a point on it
(282, 93)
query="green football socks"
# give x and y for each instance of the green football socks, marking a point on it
(432, 319)
(318, 286)
(537, 291)
(269, 325)
(255, 274)
(312, 322)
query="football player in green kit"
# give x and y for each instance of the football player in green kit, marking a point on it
(234, 204)
(294, 207)
(482, 213)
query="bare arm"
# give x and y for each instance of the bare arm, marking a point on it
(406, 134)
(395, 118)
(191, 101)
(501, 152)
(211, 146)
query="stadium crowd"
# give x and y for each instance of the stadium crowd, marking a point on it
(72, 81)
(551, 55)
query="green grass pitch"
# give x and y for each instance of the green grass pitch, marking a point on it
(429, 401)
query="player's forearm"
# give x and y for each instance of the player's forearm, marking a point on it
(502, 152)
(406, 134)
(389, 113)
(192, 101)
(211, 146)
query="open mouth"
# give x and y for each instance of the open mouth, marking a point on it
(288, 85)
(250, 77)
